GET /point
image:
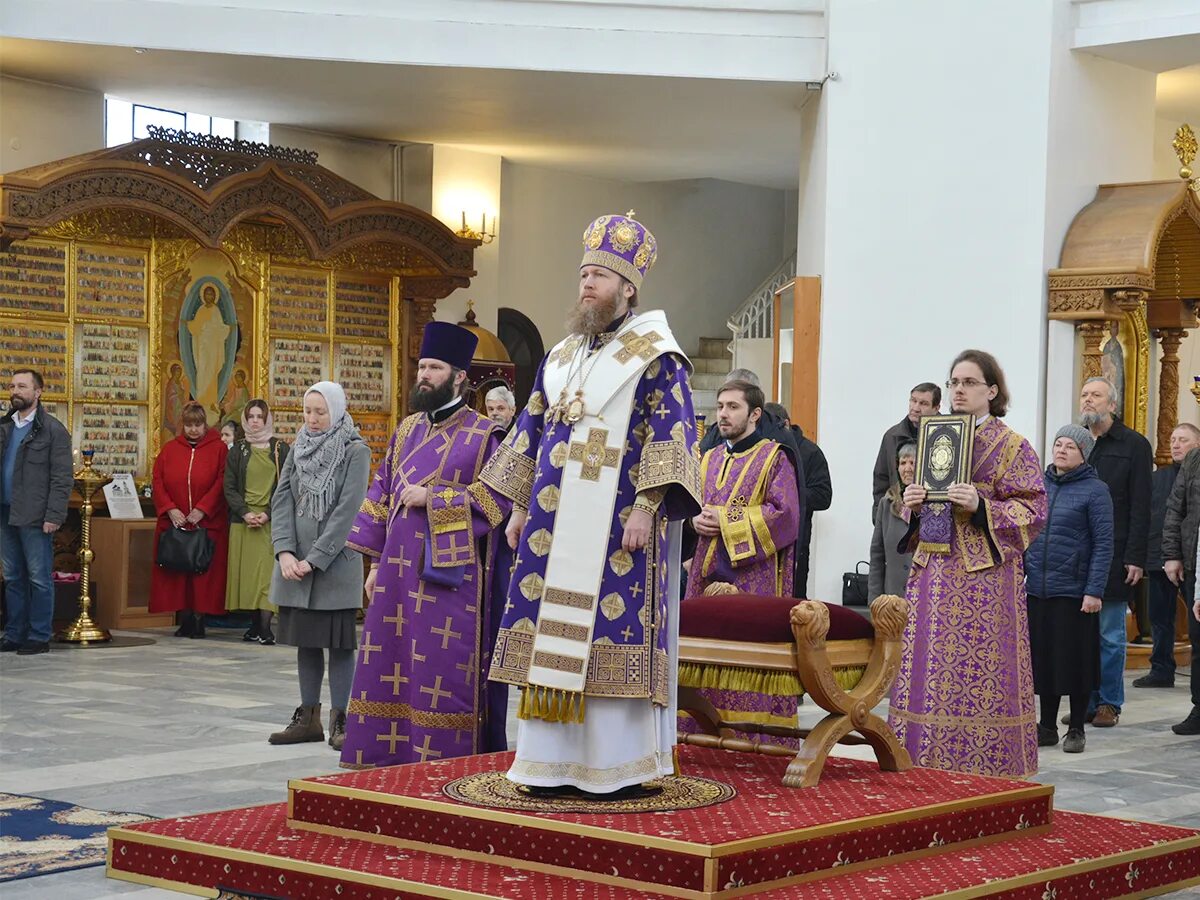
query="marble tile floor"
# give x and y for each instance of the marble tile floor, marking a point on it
(179, 727)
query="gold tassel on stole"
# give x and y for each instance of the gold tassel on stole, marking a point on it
(550, 704)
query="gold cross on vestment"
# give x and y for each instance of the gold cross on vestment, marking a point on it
(368, 648)
(395, 678)
(627, 633)
(417, 657)
(435, 693)
(636, 590)
(640, 345)
(446, 494)
(447, 633)
(362, 695)
(594, 454)
(420, 596)
(398, 620)
(426, 751)
(468, 669)
(392, 738)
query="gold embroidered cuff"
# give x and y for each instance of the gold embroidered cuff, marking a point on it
(759, 523)
(650, 501)
(483, 499)
(378, 511)
(665, 463)
(510, 473)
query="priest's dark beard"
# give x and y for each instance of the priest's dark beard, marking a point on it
(592, 319)
(429, 400)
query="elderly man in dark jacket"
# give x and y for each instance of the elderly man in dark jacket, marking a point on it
(1123, 460)
(923, 400)
(1181, 531)
(35, 485)
(1164, 593)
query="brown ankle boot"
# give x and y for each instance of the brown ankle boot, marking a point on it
(337, 728)
(305, 726)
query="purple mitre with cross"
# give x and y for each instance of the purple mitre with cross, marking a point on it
(622, 244)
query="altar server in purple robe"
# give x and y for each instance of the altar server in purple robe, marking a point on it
(601, 468)
(752, 509)
(963, 699)
(420, 689)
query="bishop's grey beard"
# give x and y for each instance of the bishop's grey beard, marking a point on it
(1089, 419)
(434, 398)
(592, 318)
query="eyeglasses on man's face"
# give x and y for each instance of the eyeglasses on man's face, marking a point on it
(965, 382)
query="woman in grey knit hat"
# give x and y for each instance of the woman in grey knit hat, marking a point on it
(1066, 568)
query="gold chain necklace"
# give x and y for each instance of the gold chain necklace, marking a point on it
(571, 411)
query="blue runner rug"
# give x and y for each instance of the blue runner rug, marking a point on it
(39, 836)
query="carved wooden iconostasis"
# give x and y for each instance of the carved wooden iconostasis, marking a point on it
(184, 267)
(1129, 275)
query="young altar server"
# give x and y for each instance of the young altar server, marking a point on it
(601, 469)
(747, 533)
(752, 508)
(419, 688)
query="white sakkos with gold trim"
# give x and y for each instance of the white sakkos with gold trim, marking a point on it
(602, 392)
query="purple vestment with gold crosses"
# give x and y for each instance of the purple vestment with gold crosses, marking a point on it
(419, 687)
(964, 699)
(753, 487)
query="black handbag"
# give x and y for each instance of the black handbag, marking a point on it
(187, 550)
(854, 586)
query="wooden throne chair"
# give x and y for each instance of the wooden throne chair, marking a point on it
(845, 663)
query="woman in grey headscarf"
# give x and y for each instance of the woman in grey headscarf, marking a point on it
(318, 585)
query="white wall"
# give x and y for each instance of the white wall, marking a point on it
(368, 164)
(43, 122)
(716, 242)
(938, 226)
(464, 181)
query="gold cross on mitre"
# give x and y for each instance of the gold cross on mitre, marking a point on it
(595, 454)
(641, 345)
(630, 214)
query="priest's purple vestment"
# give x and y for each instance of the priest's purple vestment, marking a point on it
(963, 699)
(420, 690)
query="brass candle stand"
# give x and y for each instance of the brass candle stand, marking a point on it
(83, 630)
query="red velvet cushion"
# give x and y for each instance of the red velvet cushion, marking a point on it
(760, 620)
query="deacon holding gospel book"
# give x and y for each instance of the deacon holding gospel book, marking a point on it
(963, 699)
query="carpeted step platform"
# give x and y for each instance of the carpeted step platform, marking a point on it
(738, 824)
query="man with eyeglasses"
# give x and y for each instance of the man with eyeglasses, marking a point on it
(923, 400)
(1123, 460)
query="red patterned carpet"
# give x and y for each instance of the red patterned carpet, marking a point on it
(391, 833)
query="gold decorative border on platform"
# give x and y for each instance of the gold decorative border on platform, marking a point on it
(742, 845)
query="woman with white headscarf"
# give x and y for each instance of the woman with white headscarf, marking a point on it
(318, 585)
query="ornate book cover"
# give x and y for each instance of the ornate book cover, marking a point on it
(944, 446)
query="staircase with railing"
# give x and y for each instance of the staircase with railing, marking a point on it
(755, 318)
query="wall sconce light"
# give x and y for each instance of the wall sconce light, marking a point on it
(482, 235)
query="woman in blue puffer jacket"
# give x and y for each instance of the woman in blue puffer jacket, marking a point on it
(1066, 568)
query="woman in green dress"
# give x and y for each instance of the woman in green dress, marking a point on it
(251, 473)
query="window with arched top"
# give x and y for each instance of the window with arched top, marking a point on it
(524, 344)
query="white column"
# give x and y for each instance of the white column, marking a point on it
(959, 145)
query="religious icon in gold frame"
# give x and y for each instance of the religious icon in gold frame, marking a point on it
(944, 446)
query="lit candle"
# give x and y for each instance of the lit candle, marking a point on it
(464, 215)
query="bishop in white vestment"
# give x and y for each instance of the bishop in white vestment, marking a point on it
(602, 468)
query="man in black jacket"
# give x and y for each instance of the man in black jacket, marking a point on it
(35, 485)
(1181, 532)
(923, 400)
(1123, 460)
(1164, 593)
(818, 492)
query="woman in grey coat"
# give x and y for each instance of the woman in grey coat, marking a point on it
(890, 567)
(318, 585)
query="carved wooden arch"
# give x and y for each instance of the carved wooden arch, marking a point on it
(206, 186)
(1133, 253)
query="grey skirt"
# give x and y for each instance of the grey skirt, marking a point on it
(334, 628)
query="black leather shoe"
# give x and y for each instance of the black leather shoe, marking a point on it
(1190, 725)
(1153, 681)
(1047, 737)
(30, 648)
(7, 646)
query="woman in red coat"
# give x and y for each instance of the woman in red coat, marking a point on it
(189, 488)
